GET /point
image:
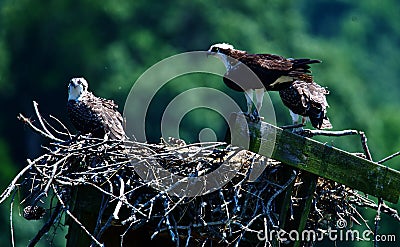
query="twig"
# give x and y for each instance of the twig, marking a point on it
(290, 180)
(365, 146)
(105, 227)
(364, 202)
(377, 220)
(28, 122)
(11, 220)
(225, 204)
(311, 133)
(389, 157)
(49, 182)
(39, 116)
(67, 132)
(113, 196)
(103, 208)
(175, 205)
(13, 183)
(120, 198)
(189, 235)
(265, 232)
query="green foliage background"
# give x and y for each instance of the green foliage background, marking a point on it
(112, 42)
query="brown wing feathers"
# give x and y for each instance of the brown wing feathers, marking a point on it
(291, 77)
(110, 117)
(97, 116)
(309, 100)
(270, 68)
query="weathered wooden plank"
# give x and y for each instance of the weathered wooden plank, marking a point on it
(317, 158)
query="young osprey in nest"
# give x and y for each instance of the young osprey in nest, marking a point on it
(91, 114)
(290, 76)
(275, 72)
(307, 98)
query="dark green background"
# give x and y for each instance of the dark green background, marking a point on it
(111, 43)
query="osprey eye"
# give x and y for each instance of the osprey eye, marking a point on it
(79, 82)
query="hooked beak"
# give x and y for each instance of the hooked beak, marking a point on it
(210, 53)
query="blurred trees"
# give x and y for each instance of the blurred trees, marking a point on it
(111, 43)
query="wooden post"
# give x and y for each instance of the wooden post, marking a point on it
(85, 206)
(305, 190)
(317, 158)
(314, 159)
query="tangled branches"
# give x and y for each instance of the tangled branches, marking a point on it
(109, 188)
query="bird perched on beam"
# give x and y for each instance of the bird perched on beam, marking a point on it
(91, 114)
(275, 72)
(306, 98)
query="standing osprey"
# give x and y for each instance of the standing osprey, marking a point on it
(307, 98)
(91, 114)
(275, 72)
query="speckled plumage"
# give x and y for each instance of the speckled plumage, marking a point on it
(307, 99)
(91, 114)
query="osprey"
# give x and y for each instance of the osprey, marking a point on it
(307, 98)
(91, 114)
(275, 72)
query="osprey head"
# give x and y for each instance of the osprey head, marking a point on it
(221, 51)
(219, 48)
(77, 88)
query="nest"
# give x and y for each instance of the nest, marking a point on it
(131, 186)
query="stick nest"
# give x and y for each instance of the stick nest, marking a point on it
(116, 182)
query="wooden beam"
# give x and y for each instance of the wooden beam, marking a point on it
(306, 190)
(315, 157)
